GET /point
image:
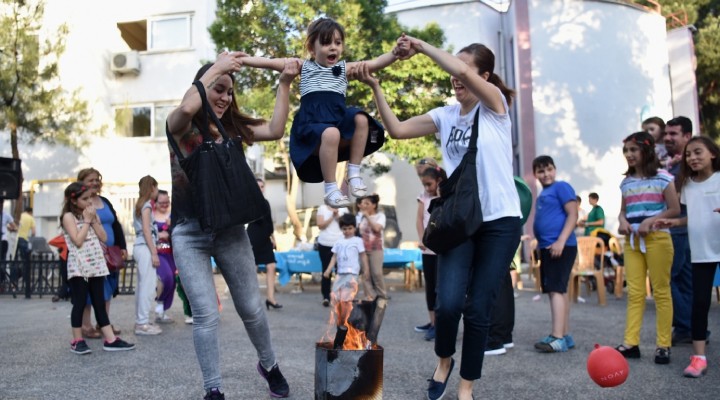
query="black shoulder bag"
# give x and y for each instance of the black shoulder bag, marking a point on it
(224, 190)
(456, 214)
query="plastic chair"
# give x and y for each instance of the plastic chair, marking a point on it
(585, 267)
(616, 248)
(534, 269)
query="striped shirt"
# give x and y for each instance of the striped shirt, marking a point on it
(316, 78)
(644, 196)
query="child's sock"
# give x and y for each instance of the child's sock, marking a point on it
(330, 186)
(159, 309)
(701, 357)
(353, 170)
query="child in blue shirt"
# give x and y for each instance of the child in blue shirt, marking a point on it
(556, 216)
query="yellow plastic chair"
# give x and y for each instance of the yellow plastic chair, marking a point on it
(585, 267)
(616, 248)
(534, 269)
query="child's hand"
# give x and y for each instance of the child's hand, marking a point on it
(645, 227)
(291, 69)
(556, 249)
(362, 73)
(664, 223)
(407, 47)
(229, 62)
(89, 213)
(625, 228)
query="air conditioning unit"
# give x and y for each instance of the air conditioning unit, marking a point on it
(127, 62)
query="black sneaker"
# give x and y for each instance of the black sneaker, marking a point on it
(118, 345)
(662, 355)
(629, 352)
(681, 338)
(79, 347)
(214, 394)
(276, 381)
(423, 328)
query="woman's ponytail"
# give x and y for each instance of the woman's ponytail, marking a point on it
(506, 91)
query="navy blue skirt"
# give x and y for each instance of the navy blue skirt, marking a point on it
(319, 111)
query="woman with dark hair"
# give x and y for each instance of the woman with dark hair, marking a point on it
(230, 247)
(468, 276)
(92, 178)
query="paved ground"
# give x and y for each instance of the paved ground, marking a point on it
(37, 364)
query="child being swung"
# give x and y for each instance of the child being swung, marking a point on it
(647, 195)
(87, 269)
(324, 130)
(700, 191)
(348, 255)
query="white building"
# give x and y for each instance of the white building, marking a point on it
(586, 71)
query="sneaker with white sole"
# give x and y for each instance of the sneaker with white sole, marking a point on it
(697, 367)
(189, 320)
(423, 328)
(118, 345)
(164, 319)
(147, 330)
(79, 347)
(509, 345)
(496, 352)
(555, 345)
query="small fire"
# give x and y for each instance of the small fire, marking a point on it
(355, 339)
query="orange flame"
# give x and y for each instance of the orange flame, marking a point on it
(339, 313)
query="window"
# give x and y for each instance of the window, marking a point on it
(158, 33)
(133, 121)
(142, 121)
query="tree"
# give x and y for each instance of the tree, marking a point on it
(276, 28)
(703, 14)
(35, 107)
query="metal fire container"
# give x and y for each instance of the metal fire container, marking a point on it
(348, 374)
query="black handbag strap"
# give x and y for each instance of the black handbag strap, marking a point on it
(472, 146)
(205, 128)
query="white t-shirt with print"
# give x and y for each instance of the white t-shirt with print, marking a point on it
(498, 195)
(703, 223)
(347, 255)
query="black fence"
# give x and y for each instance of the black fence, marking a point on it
(41, 276)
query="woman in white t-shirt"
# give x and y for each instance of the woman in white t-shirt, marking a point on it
(330, 232)
(468, 275)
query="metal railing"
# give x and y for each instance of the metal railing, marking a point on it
(41, 277)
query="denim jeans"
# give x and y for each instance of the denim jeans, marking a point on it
(681, 284)
(468, 279)
(192, 249)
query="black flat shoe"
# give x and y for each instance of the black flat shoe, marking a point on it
(629, 352)
(436, 390)
(275, 305)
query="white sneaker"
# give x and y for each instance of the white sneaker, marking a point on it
(496, 352)
(147, 330)
(189, 320)
(164, 319)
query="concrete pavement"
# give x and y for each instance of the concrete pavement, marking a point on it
(36, 362)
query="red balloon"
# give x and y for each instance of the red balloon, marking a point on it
(607, 367)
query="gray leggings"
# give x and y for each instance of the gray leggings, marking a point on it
(192, 249)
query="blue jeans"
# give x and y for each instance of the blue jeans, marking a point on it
(681, 284)
(468, 278)
(192, 249)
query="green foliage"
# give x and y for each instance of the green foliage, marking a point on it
(276, 28)
(33, 105)
(703, 14)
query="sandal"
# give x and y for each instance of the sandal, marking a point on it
(357, 186)
(115, 330)
(336, 199)
(91, 334)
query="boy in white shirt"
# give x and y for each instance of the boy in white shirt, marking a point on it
(348, 253)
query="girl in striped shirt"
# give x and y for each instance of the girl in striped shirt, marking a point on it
(324, 130)
(648, 194)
